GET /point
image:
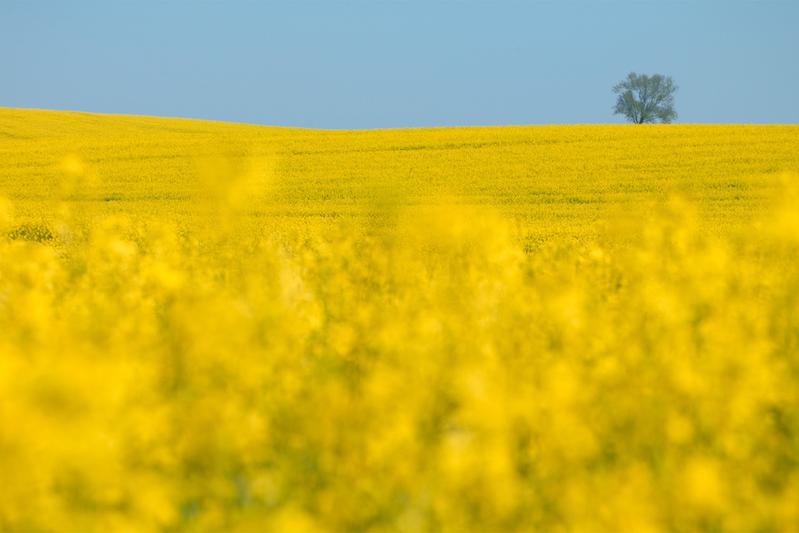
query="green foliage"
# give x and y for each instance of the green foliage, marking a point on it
(31, 232)
(644, 99)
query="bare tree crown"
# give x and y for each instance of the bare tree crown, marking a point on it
(646, 99)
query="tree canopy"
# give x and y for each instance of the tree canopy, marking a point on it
(644, 99)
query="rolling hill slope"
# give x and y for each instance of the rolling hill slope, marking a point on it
(550, 178)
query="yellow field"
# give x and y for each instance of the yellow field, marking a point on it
(209, 326)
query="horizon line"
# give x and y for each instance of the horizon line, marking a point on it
(384, 128)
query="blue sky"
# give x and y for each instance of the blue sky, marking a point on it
(373, 63)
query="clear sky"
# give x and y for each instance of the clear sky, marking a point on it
(379, 63)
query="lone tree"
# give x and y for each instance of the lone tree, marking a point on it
(646, 99)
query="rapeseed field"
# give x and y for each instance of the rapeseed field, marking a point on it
(222, 327)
